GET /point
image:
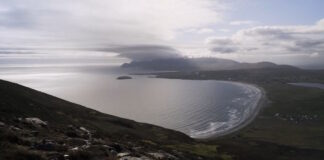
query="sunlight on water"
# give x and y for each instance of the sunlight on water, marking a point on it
(197, 108)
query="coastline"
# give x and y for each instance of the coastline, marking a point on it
(259, 106)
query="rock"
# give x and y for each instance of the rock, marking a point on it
(13, 128)
(137, 148)
(78, 132)
(66, 156)
(98, 141)
(110, 149)
(84, 130)
(36, 122)
(123, 154)
(134, 158)
(159, 155)
(2, 124)
(75, 149)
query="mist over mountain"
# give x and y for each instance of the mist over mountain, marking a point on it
(189, 64)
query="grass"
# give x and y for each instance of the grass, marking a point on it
(202, 149)
(269, 136)
(198, 149)
(295, 102)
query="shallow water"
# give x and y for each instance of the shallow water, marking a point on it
(197, 108)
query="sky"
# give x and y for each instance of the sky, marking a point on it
(280, 31)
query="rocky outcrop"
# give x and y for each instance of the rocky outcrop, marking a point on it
(73, 142)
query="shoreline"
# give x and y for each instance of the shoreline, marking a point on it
(259, 106)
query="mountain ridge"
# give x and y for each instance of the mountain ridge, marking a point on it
(190, 64)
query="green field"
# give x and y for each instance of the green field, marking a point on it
(291, 124)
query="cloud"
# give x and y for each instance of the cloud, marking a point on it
(100, 23)
(222, 44)
(224, 30)
(273, 40)
(205, 31)
(238, 23)
(314, 55)
(146, 52)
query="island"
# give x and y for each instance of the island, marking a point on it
(124, 77)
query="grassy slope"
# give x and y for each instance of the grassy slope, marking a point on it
(19, 101)
(270, 136)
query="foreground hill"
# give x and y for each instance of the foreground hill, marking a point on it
(34, 125)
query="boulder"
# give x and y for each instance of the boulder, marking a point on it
(2, 124)
(36, 122)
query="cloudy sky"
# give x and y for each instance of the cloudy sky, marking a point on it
(286, 32)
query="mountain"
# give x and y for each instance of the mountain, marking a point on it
(192, 64)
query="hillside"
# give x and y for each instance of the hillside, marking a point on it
(34, 125)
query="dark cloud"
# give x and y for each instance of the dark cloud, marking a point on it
(269, 32)
(310, 43)
(147, 52)
(222, 45)
(224, 49)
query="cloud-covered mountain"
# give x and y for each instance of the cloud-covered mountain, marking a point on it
(189, 64)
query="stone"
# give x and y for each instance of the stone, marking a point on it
(75, 149)
(35, 122)
(2, 124)
(123, 154)
(84, 130)
(13, 128)
(159, 155)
